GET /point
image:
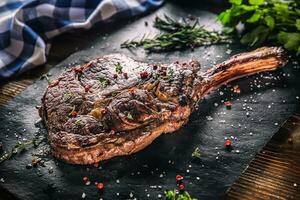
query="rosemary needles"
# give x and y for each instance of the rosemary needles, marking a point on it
(178, 35)
(21, 147)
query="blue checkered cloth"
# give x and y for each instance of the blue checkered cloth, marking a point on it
(27, 26)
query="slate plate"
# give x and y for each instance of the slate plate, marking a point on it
(268, 98)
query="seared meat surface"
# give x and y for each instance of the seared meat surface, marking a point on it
(116, 106)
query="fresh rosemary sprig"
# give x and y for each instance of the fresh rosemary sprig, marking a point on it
(178, 35)
(21, 147)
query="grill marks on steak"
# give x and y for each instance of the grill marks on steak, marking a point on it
(94, 112)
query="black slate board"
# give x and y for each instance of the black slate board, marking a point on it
(139, 175)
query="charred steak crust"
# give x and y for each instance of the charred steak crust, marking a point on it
(116, 106)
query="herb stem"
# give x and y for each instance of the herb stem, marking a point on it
(178, 35)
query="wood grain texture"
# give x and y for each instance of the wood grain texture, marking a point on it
(274, 173)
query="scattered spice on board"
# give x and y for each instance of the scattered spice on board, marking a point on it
(236, 89)
(228, 144)
(144, 74)
(181, 195)
(100, 186)
(228, 104)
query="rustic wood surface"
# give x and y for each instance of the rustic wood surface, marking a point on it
(274, 173)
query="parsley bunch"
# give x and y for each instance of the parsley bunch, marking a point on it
(265, 20)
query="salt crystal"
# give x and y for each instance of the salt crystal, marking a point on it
(209, 118)
(228, 51)
(130, 194)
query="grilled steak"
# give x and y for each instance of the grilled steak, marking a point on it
(116, 106)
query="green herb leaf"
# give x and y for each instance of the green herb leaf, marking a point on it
(170, 194)
(196, 153)
(256, 2)
(170, 73)
(236, 2)
(225, 17)
(256, 37)
(129, 116)
(270, 22)
(104, 82)
(21, 147)
(119, 68)
(46, 76)
(78, 122)
(276, 21)
(298, 24)
(291, 41)
(254, 18)
(67, 96)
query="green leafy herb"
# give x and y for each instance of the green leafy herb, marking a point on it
(178, 35)
(119, 68)
(78, 122)
(104, 82)
(170, 73)
(46, 76)
(172, 195)
(67, 96)
(21, 147)
(129, 116)
(275, 21)
(196, 153)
